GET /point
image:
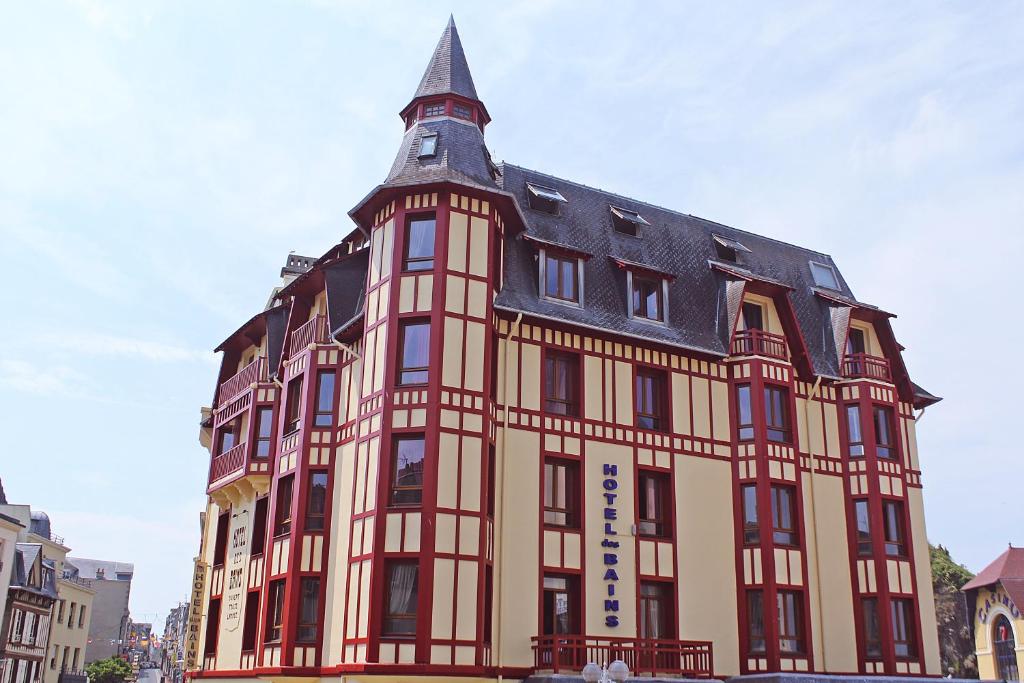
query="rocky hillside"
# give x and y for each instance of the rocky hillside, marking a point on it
(955, 642)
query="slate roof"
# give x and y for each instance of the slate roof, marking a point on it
(345, 282)
(1008, 570)
(448, 71)
(675, 243)
(87, 568)
(461, 155)
(25, 557)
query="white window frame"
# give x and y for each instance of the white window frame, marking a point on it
(664, 301)
(542, 281)
(835, 275)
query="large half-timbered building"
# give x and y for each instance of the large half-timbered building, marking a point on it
(511, 424)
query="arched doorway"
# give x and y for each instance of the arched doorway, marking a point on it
(1002, 647)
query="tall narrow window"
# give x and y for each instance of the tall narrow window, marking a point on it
(414, 353)
(492, 477)
(895, 538)
(259, 526)
(755, 622)
(650, 400)
(316, 501)
(776, 413)
(791, 622)
(419, 242)
(654, 503)
(293, 403)
(264, 429)
(753, 316)
(275, 611)
(855, 341)
(561, 495)
(252, 620)
(853, 430)
(560, 277)
(561, 602)
(309, 609)
(407, 470)
(283, 510)
(401, 598)
(324, 399)
(861, 511)
(657, 620)
(903, 632)
(220, 548)
(885, 442)
(561, 383)
(228, 437)
(751, 526)
(784, 515)
(870, 627)
(744, 413)
(647, 301)
(212, 629)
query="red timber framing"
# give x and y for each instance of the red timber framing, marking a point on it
(865, 476)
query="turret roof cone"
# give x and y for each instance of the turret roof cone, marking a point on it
(448, 71)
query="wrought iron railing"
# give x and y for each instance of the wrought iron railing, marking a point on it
(570, 653)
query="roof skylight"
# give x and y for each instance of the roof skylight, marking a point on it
(824, 275)
(544, 192)
(631, 216)
(428, 145)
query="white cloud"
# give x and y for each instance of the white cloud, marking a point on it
(42, 380)
(94, 343)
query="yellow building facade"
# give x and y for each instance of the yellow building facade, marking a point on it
(511, 425)
(994, 597)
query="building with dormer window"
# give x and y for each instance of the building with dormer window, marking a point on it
(511, 424)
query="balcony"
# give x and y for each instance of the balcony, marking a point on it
(227, 463)
(759, 343)
(252, 373)
(313, 331)
(863, 366)
(570, 653)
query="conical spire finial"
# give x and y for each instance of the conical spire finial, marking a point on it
(448, 71)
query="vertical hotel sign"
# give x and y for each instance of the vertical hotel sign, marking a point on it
(236, 574)
(609, 545)
(195, 616)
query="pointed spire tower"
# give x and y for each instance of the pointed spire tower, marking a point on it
(444, 123)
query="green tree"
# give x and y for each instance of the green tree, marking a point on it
(112, 670)
(955, 643)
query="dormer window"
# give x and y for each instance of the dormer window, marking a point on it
(461, 111)
(561, 277)
(648, 298)
(727, 249)
(544, 198)
(627, 222)
(433, 109)
(824, 275)
(428, 145)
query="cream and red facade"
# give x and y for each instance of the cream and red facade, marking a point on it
(645, 504)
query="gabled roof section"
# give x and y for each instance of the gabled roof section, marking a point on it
(448, 70)
(345, 281)
(1007, 569)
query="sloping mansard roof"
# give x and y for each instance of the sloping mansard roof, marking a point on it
(674, 243)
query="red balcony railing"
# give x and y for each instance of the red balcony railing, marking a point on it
(227, 462)
(863, 365)
(759, 343)
(313, 331)
(252, 373)
(570, 653)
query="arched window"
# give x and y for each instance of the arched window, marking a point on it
(1002, 645)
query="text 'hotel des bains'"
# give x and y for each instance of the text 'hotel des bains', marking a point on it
(511, 424)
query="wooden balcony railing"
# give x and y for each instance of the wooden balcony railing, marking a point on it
(863, 365)
(252, 373)
(227, 462)
(570, 653)
(313, 331)
(759, 343)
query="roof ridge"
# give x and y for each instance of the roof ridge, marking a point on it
(668, 210)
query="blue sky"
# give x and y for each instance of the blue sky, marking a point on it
(158, 160)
